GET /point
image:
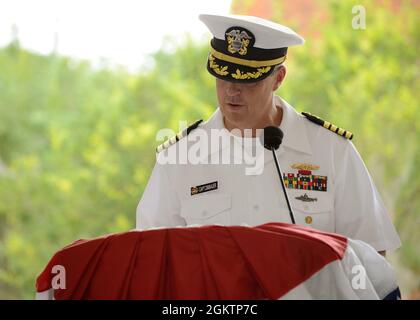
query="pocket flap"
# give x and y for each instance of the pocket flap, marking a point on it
(206, 206)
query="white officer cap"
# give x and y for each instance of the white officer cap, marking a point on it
(246, 48)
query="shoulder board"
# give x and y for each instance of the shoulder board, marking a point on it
(178, 137)
(328, 125)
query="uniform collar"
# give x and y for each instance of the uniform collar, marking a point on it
(292, 125)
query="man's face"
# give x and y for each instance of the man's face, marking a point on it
(245, 105)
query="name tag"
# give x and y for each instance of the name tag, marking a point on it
(204, 188)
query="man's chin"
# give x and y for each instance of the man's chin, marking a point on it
(235, 121)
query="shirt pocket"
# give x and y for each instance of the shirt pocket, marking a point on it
(207, 209)
(315, 209)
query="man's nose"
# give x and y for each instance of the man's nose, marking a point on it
(233, 89)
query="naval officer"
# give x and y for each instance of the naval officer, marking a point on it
(327, 183)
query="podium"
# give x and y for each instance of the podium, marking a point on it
(270, 261)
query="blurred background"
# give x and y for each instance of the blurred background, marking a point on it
(85, 86)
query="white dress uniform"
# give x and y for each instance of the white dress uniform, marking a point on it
(346, 202)
(327, 183)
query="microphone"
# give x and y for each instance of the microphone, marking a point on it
(273, 137)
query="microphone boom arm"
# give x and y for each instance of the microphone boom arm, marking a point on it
(282, 185)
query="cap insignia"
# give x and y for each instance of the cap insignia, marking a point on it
(238, 40)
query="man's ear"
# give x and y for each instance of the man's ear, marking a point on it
(279, 77)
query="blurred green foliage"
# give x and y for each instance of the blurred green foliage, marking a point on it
(77, 143)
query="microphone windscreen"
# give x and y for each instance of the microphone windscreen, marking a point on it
(272, 137)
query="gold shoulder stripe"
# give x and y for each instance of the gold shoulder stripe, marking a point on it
(178, 136)
(327, 125)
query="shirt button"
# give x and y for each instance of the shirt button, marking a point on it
(256, 207)
(205, 213)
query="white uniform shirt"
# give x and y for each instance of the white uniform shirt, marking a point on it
(350, 206)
